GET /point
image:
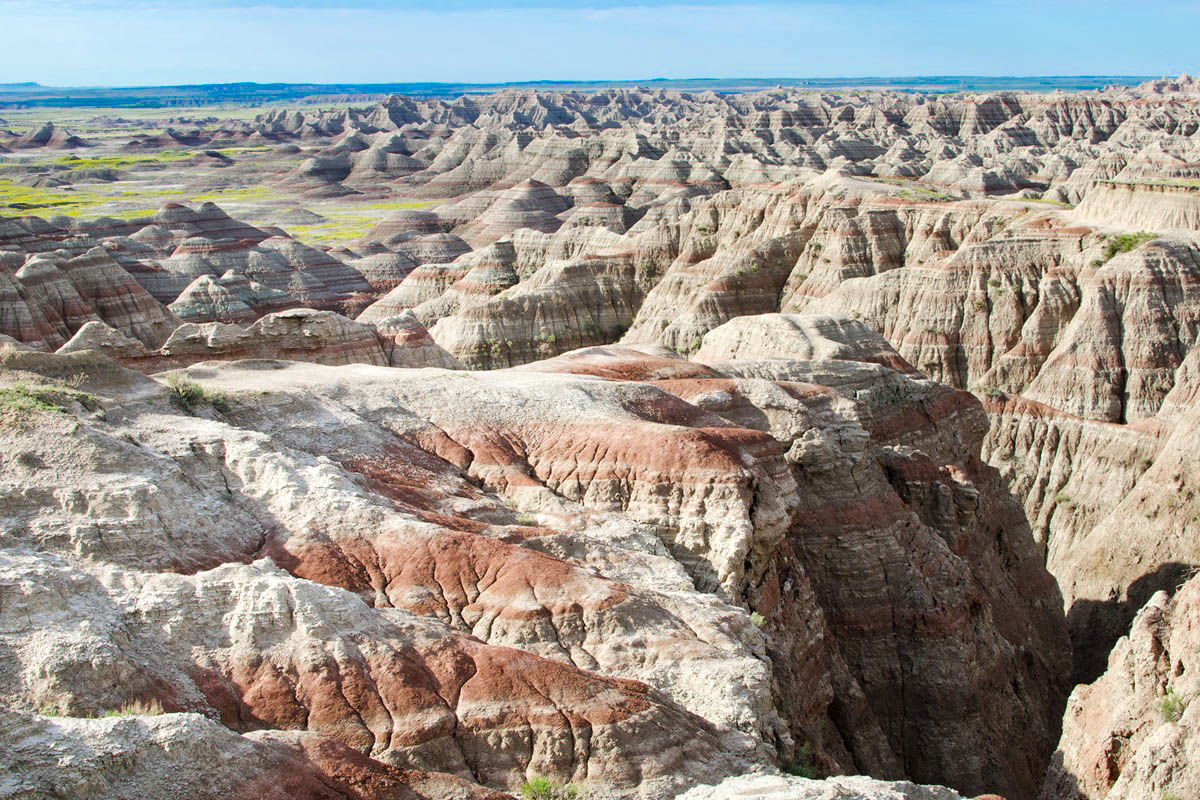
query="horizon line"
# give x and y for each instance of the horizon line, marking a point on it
(570, 81)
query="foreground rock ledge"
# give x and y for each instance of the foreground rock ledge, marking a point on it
(539, 571)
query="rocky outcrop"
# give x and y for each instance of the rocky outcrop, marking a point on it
(773, 787)
(58, 295)
(171, 755)
(802, 338)
(1132, 733)
(96, 335)
(407, 343)
(298, 335)
(206, 299)
(327, 545)
(876, 412)
(21, 318)
(1036, 250)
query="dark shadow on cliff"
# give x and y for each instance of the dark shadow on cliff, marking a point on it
(1096, 625)
(1060, 784)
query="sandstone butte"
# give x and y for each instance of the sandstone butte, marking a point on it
(778, 445)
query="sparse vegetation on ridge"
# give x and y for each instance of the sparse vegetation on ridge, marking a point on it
(20, 400)
(804, 764)
(1126, 242)
(1170, 706)
(134, 708)
(188, 394)
(540, 788)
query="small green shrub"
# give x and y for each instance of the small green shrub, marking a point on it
(50, 710)
(1126, 242)
(989, 391)
(758, 619)
(134, 708)
(137, 708)
(188, 394)
(1170, 706)
(803, 765)
(540, 788)
(17, 402)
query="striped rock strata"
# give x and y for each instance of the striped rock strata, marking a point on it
(1132, 734)
(335, 549)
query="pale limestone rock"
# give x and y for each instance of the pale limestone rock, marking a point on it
(96, 335)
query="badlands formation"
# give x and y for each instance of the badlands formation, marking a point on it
(775, 445)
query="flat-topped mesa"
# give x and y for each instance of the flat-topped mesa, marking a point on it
(1157, 189)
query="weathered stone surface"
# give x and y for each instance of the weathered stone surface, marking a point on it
(172, 756)
(357, 517)
(96, 335)
(800, 338)
(299, 334)
(774, 787)
(205, 300)
(799, 467)
(406, 343)
(1132, 734)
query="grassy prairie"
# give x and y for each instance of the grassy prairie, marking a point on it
(348, 223)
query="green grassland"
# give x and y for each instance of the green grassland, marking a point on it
(147, 179)
(348, 223)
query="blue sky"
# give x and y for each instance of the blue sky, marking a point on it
(116, 42)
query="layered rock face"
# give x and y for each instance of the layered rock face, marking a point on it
(926, 495)
(1133, 732)
(612, 516)
(543, 571)
(171, 755)
(299, 335)
(207, 266)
